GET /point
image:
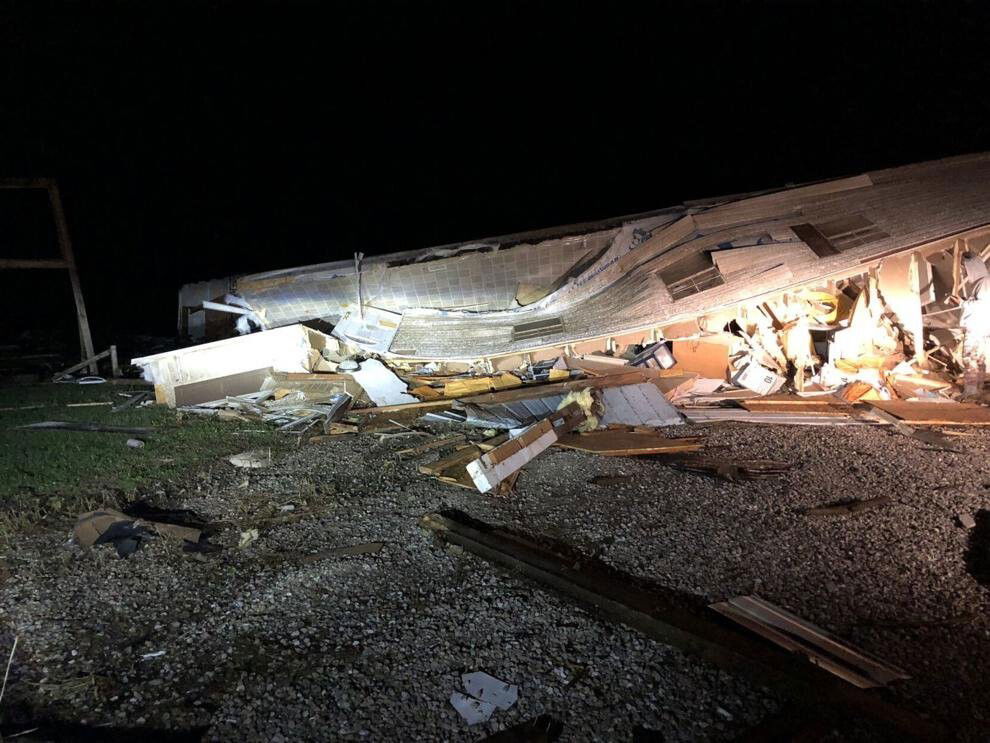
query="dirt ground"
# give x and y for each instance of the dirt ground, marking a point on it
(256, 643)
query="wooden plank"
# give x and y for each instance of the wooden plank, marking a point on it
(435, 444)
(935, 413)
(824, 405)
(89, 361)
(626, 443)
(418, 407)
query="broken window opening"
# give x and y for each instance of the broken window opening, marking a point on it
(838, 235)
(690, 275)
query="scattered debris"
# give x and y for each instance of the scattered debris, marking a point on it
(733, 470)
(966, 521)
(490, 689)
(368, 548)
(132, 401)
(252, 459)
(474, 711)
(127, 532)
(542, 729)
(135, 443)
(84, 426)
(248, 537)
(848, 507)
(484, 695)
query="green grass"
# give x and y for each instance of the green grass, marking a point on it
(58, 474)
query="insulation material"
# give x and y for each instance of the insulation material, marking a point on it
(585, 400)
(282, 350)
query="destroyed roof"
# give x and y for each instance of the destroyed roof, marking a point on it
(604, 279)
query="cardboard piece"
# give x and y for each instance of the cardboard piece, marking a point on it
(708, 357)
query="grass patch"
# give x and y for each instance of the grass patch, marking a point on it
(59, 474)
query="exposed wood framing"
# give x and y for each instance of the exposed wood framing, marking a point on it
(68, 261)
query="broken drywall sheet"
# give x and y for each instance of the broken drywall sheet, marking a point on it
(381, 385)
(371, 330)
(286, 349)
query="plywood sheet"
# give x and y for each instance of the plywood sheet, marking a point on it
(709, 358)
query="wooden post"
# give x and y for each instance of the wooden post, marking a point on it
(114, 365)
(65, 247)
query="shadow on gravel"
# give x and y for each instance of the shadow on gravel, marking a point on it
(978, 552)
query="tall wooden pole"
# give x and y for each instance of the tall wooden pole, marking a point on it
(65, 247)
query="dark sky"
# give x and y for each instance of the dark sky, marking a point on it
(194, 141)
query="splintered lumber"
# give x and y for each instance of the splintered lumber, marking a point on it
(491, 468)
(935, 413)
(453, 469)
(435, 444)
(626, 443)
(733, 470)
(674, 618)
(800, 636)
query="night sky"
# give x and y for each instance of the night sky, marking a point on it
(199, 141)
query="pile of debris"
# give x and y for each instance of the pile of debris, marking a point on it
(853, 353)
(857, 301)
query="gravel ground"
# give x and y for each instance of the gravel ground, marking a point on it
(260, 647)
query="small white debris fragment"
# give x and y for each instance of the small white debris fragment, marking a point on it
(472, 710)
(156, 654)
(247, 538)
(490, 689)
(966, 521)
(287, 507)
(252, 459)
(725, 713)
(135, 443)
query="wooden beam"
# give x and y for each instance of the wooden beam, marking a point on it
(89, 361)
(32, 263)
(676, 620)
(65, 246)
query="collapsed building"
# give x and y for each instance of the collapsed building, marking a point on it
(901, 252)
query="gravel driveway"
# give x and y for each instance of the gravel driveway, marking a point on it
(259, 645)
